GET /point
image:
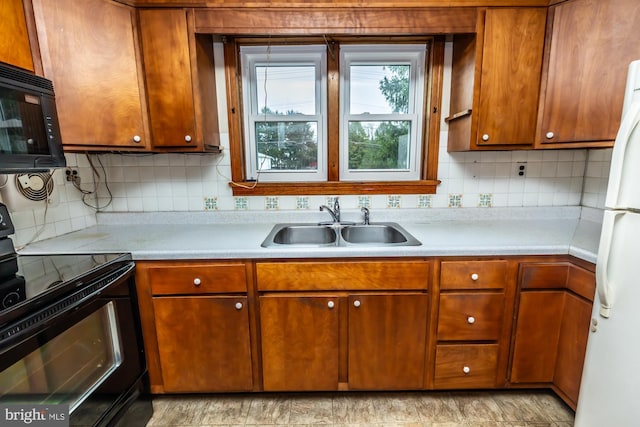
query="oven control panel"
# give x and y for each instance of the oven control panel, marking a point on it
(6, 227)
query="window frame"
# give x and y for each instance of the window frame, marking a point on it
(384, 54)
(428, 181)
(304, 55)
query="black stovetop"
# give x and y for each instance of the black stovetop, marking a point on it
(28, 282)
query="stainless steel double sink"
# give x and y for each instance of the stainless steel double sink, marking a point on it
(339, 234)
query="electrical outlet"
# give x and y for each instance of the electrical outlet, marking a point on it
(72, 175)
(521, 169)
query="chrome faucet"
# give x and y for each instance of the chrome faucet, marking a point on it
(366, 215)
(335, 213)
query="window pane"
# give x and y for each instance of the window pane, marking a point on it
(379, 89)
(379, 145)
(286, 90)
(287, 145)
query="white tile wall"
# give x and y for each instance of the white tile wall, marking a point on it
(596, 178)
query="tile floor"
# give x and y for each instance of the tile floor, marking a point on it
(403, 409)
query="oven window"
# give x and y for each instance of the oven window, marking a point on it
(68, 368)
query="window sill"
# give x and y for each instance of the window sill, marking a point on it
(335, 188)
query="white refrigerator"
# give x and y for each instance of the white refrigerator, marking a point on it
(610, 389)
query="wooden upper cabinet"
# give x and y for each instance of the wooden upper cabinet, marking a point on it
(591, 45)
(510, 77)
(179, 73)
(88, 50)
(496, 80)
(15, 48)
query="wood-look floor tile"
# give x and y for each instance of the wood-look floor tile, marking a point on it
(269, 409)
(476, 408)
(311, 410)
(553, 408)
(519, 406)
(178, 411)
(438, 408)
(227, 410)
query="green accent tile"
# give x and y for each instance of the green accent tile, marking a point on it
(393, 201)
(210, 203)
(425, 201)
(455, 200)
(271, 203)
(241, 203)
(302, 202)
(364, 201)
(486, 200)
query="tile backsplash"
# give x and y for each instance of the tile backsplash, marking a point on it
(188, 182)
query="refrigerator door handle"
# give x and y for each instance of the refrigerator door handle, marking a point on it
(628, 125)
(605, 291)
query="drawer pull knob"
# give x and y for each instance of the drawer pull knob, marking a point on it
(549, 135)
(356, 303)
(197, 281)
(474, 276)
(331, 304)
(136, 138)
(485, 137)
(238, 306)
(466, 369)
(187, 138)
(471, 320)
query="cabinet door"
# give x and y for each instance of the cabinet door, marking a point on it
(510, 78)
(14, 39)
(300, 340)
(572, 345)
(592, 44)
(165, 48)
(88, 51)
(387, 341)
(203, 343)
(536, 336)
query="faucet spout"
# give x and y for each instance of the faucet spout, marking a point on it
(335, 212)
(335, 218)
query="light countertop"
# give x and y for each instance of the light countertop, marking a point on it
(206, 235)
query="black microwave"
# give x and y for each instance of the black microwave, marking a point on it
(29, 130)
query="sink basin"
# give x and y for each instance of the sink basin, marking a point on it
(301, 234)
(374, 233)
(319, 235)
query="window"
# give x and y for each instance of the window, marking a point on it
(285, 113)
(341, 117)
(382, 101)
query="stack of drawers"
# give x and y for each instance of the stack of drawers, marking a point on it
(470, 323)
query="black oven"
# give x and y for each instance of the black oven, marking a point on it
(70, 334)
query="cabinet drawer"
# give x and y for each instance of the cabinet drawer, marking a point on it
(466, 366)
(544, 275)
(473, 274)
(342, 275)
(475, 316)
(198, 279)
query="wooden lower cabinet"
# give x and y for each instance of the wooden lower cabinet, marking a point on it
(203, 343)
(387, 336)
(300, 340)
(302, 345)
(466, 366)
(552, 327)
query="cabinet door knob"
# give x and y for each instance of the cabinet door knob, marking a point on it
(466, 369)
(137, 138)
(331, 304)
(238, 306)
(187, 138)
(197, 281)
(474, 276)
(471, 320)
(485, 137)
(356, 303)
(549, 135)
